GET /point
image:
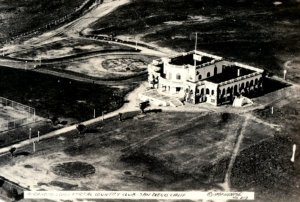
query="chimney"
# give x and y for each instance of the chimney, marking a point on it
(238, 72)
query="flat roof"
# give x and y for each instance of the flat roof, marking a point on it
(189, 60)
(229, 72)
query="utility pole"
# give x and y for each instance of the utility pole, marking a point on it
(34, 115)
(29, 133)
(196, 41)
(294, 151)
(33, 145)
(272, 110)
(135, 44)
(38, 136)
(284, 74)
(103, 115)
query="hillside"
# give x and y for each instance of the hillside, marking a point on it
(261, 33)
(21, 16)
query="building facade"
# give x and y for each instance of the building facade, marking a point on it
(197, 77)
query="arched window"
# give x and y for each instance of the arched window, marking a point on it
(212, 92)
(243, 85)
(208, 74)
(229, 90)
(247, 84)
(251, 83)
(215, 70)
(235, 89)
(207, 91)
(178, 77)
(256, 81)
(202, 91)
(200, 77)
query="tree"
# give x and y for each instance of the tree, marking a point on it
(12, 150)
(144, 105)
(81, 128)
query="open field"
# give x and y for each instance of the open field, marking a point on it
(22, 16)
(62, 47)
(170, 151)
(253, 32)
(106, 67)
(158, 151)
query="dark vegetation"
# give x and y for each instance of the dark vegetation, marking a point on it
(254, 32)
(74, 170)
(10, 190)
(266, 167)
(52, 96)
(24, 16)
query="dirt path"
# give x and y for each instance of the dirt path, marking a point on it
(227, 183)
(73, 28)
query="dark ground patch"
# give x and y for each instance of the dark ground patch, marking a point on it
(53, 96)
(64, 185)
(266, 169)
(74, 169)
(23, 16)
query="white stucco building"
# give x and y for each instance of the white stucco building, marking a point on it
(197, 77)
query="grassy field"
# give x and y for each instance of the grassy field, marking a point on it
(106, 67)
(254, 32)
(22, 16)
(59, 97)
(158, 151)
(266, 167)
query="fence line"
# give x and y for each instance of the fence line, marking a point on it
(27, 111)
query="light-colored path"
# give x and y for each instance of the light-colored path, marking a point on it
(227, 183)
(73, 28)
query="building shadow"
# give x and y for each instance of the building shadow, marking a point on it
(22, 153)
(271, 85)
(153, 111)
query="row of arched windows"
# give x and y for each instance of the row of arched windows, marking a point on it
(207, 91)
(233, 89)
(236, 88)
